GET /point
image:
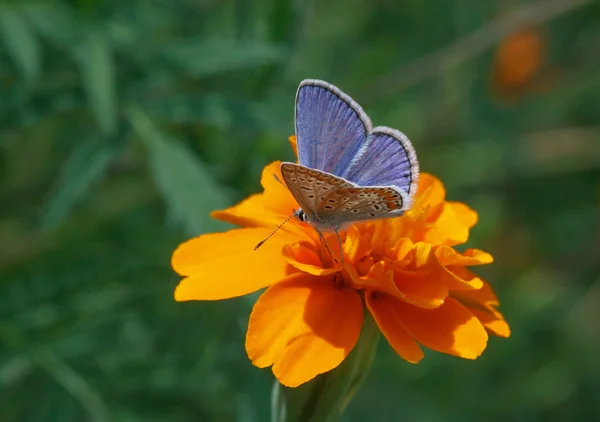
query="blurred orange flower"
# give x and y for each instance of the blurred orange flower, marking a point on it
(405, 271)
(518, 61)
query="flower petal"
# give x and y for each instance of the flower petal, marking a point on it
(450, 328)
(269, 209)
(355, 245)
(293, 144)
(420, 289)
(493, 321)
(449, 256)
(420, 277)
(225, 265)
(447, 228)
(466, 215)
(303, 326)
(305, 258)
(248, 213)
(483, 297)
(277, 198)
(382, 308)
(431, 192)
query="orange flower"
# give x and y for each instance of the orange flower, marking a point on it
(518, 62)
(405, 271)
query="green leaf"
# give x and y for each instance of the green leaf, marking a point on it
(21, 42)
(184, 183)
(213, 109)
(201, 58)
(97, 71)
(54, 22)
(86, 164)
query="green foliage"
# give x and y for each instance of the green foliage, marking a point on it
(120, 118)
(87, 163)
(187, 187)
(20, 42)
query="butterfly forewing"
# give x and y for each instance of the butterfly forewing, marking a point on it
(330, 126)
(310, 187)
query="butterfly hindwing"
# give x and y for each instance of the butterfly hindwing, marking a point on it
(361, 203)
(386, 158)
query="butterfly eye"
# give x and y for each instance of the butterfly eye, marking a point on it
(301, 216)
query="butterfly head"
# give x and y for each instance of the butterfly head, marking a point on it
(301, 216)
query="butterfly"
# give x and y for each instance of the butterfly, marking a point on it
(348, 170)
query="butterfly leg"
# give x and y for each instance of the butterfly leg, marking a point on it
(324, 242)
(341, 246)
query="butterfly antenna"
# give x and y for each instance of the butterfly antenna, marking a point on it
(274, 231)
(278, 179)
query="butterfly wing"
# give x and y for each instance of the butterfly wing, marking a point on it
(344, 205)
(310, 187)
(386, 158)
(330, 126)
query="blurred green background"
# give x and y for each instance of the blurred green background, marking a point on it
(123, 123)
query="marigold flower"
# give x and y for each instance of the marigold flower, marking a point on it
(404, 271)
(518, 61)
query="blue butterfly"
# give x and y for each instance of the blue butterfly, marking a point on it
(347, 170)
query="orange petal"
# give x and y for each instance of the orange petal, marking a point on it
(466, 215)
(277, 198)
(420, 289)
(355, 245)
(303, 326)
(225, 265)
(483, 297)
(479, 255)
(447, 228)
(294, 144)
(304, 257)
(248, 213)
(449, 256)
(269, 209)
(493, 321)
(454, 262)
(402, 250)
(421, 278)
(431, 191)
(382, 307)
(450, 328)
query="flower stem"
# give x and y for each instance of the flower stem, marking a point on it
(324, 398)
